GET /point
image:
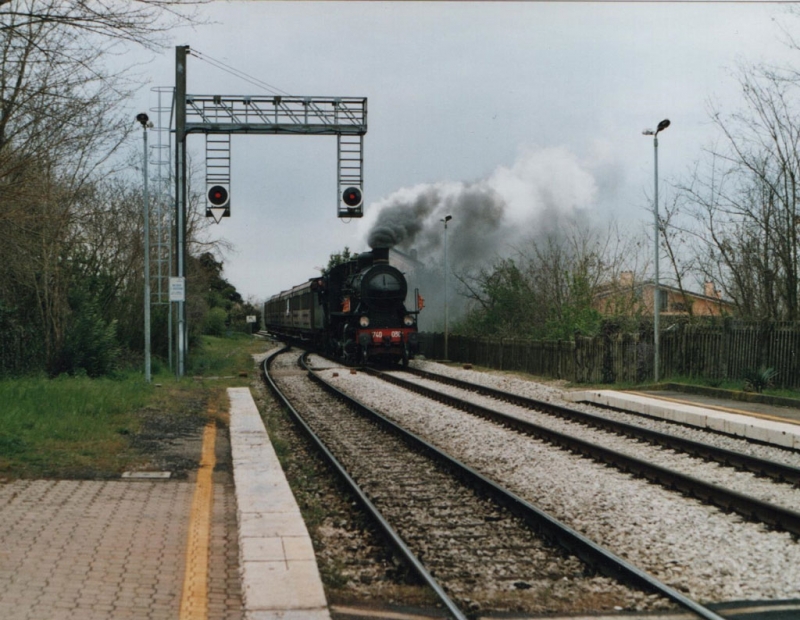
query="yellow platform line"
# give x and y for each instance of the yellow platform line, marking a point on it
(754, 414)
(194, 600)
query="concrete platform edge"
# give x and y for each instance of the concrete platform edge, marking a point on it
(736, 424)
(279, 573)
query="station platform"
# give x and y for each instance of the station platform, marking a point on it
(229, 542)
(767, 423)
(280, 579)
(221, 545)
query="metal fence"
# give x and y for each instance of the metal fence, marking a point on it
(720, 350)
(21, 350)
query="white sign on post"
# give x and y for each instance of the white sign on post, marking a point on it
(177, 289)
(251, 318)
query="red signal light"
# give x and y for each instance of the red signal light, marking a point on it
(352, 197)
(218, 195)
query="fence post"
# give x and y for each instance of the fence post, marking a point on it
(725, 347)
(763, 343)
(608, 356)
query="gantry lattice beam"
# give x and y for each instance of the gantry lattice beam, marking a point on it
(275, 115)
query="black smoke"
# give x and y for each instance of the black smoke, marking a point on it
(399, 223)
(415, 222)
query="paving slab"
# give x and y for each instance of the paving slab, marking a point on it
(103, 550)
(280, 577)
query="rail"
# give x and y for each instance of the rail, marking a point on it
(390, 532)
(744, 505)
(569, 539)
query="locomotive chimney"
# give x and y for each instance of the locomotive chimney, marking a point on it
(380, 255)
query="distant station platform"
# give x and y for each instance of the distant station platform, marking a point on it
(779, 425)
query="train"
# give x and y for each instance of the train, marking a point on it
(354, 312)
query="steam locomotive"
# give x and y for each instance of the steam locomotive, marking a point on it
(354, 312)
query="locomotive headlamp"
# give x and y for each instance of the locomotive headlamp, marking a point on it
(364, 321)
(408, 320)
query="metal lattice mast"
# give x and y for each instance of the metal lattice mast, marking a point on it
(162, 177)
(163, 202)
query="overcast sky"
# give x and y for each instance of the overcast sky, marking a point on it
(541, 103)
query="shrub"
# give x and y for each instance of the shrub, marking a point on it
(215, 322)
(759, 380)
(90, 347)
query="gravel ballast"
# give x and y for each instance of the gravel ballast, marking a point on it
(698, 549)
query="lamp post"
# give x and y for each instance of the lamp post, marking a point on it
(446, 219)
(656, 293)
(145, 121)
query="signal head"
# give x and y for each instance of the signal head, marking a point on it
(352, 197)
(218, 195)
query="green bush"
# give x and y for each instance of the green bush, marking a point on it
(759, 380)
(215, 322)
(90, 347)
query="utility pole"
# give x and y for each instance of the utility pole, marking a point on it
(656, 292)
(445, 219)
(180, 200)
(145, 121)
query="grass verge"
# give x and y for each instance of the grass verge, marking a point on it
(76, 427)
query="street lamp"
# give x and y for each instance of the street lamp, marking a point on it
(656, 296)
(145, 122)
(445, 219)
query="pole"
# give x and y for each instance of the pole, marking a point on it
(180, 198)
(446, 355)
(656, 295)
(147, 367)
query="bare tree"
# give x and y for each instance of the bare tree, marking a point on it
(60, 122)
(744, 211)
(678, 241)
(141, 21)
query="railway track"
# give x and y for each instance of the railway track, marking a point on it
(607, 447)
(780, 472)
(707, 553)
(474, 543)
(597, 447)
